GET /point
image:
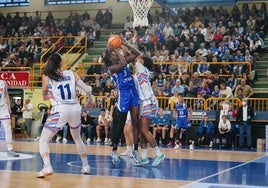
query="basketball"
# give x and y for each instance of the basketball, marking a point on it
(115, 41)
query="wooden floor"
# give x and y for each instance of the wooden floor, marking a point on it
(26, 179)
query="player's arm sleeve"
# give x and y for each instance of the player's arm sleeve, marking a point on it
(86, 88)
(144, 84)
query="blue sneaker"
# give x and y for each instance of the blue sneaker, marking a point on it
(115, 158)
(158, 160)
(145, 161)
(135, 156)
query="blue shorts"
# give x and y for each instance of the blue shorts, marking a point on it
(183, 123)
(127, 99)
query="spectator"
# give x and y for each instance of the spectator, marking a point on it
(178, 87)
(99, 17)
(224, 129)
(160, 81)
(225, 69)
(16, 109)
(205, 133)
(238, 69)
(196, 80)
(173, 100)
(233, 44)
(204, 90)
(87, 126)
(255, 45)
(27, 114)
(161, 125)
(227, 56)
(216, 91)
(203, 66)
(190, 90)
(23, 56)
(225, 91)
(244, 117)
(247, 90)
(96, 28)
(239, 94)
(104, 120)
(248, 79)
(107, 18)
(167, 89)
(128, 24)
(232, 82)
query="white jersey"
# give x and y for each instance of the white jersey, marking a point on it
(63, 91)
(142, 81)
(3, 87)
(4, 108)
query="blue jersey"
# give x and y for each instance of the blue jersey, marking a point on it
(127, 93)
(182, 119)
(124, 79)
(182, 110)
(161, 121)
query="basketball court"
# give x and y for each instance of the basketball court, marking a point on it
(181, 168)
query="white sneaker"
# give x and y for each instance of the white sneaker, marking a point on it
(176, 146)
(88, 141)
(12, 153)
(64, 140)
(98, 140)
(58, 139)
(85, 169)
(106, 140)
(191, 147)
(115, 158)
(46, 171)
(37, 138)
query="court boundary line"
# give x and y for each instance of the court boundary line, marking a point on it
(226, 170)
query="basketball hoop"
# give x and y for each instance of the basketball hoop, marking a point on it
(140, 10)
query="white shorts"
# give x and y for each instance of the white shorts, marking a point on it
(149, 108)
(4, 112)
(62, 114)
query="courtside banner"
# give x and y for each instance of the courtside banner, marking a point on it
(16, 79)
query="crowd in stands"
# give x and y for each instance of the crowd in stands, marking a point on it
(209, 36)
(23, 38)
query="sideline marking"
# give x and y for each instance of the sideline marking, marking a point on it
(4, 157)
(226, 170)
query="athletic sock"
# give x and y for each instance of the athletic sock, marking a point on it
(143, 153)
(129, 148)
(157, 151)
(9, 147)
(84, 161)
(47, 161)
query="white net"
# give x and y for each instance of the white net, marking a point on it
(140, 10)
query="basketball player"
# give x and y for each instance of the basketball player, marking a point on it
(5, 111)
(183, 119)
(59, 86)
(127, 100)
(148, 106)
